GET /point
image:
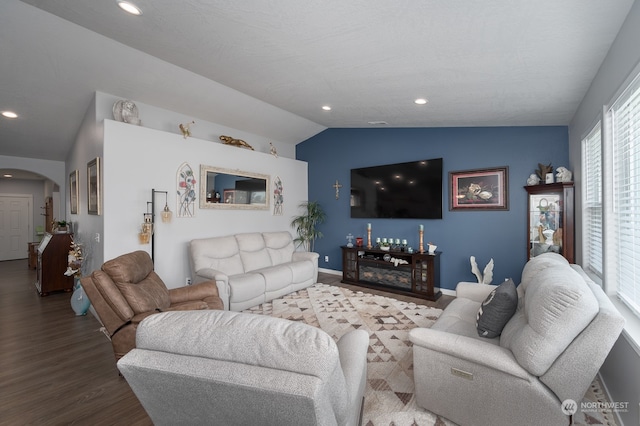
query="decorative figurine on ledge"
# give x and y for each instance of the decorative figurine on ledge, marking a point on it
(543, 170)
(563, 174)
(186, 129)
(228, 140)
(272, 150)
(533, 179)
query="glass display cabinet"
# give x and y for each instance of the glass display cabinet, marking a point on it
(550, 217)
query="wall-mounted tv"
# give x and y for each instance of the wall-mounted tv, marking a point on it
(411, 190)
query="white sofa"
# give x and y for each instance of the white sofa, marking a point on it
(252, 268)
(549, 351)
(231, 368)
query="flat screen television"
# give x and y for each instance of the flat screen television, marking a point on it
(411, 190)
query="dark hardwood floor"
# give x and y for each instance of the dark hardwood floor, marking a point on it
(57, 368)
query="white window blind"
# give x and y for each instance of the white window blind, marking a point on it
(592, 206)
(625, 114)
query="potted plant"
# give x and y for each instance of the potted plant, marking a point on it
(305, 224)
(61, 226)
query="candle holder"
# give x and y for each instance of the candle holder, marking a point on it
(369, 238)
(421, 246)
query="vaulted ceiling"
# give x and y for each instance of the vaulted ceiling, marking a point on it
(269, 67)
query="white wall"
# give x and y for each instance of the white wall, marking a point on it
(138, 159)
(90, 230)
(621, 370)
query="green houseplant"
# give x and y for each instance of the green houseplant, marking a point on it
(305, 224)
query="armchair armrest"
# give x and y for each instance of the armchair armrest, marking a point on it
(199, 291)
(474, 291)
(352, 349)
(469, 349)
(305, 255)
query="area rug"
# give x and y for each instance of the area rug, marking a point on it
(389, 399)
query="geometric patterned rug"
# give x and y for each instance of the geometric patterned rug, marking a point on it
(389, 397)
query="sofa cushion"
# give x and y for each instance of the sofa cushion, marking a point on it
(219, 253)
(497, 309)
(460, 318)
(558, 305)
(253, 251)
(279, 246)
(246, 287)
(301, 270)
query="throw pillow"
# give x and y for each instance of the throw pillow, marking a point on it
(497, 309)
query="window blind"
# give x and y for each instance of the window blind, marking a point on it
(625, 115)
(592, 206)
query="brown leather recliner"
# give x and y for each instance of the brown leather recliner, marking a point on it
(126, 290)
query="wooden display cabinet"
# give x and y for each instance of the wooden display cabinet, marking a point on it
(53, 254)
(374, 268)
(550, 219)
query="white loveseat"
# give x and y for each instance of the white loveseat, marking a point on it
(252, 268)
(548, 353)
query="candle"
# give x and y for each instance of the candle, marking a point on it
(422, 227)
(368, 226)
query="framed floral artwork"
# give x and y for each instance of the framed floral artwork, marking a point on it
(93, 186)
(482, 189)
(74, 193)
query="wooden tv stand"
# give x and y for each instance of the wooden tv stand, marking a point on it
(419, 277)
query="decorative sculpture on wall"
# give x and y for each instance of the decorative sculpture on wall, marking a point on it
(228, 140)
(278, 197)
(186, 129)
(487, 276)
(186, 185)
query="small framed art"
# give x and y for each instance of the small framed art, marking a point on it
(482, 189)
(74, 193)
(93, 186)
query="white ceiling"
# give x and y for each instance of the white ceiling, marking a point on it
(479, 63)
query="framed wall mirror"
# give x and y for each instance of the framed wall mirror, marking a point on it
(233, 189)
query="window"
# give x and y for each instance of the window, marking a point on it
(592, 205)
(624, 238)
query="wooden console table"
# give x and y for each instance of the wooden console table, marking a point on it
(418, 277)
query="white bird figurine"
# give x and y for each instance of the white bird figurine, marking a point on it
(272, 150)
(487, 276)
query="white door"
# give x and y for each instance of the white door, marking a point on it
(15, 211)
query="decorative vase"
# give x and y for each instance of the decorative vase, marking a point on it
(79, 301)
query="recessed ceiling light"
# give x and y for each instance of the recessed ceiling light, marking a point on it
(7, 175)
(129, 7)
(9, 114)
(326, 107)
(420, 101)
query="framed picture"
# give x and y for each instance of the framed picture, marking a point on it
(74, 193)
(93, 186)
(483, 189)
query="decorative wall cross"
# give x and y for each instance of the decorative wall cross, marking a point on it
(337, 186)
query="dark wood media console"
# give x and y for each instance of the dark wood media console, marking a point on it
(419, 276)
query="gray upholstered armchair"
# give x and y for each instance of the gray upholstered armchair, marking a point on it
(230, 368)
(549, 351)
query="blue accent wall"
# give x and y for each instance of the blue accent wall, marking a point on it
(500, 235)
